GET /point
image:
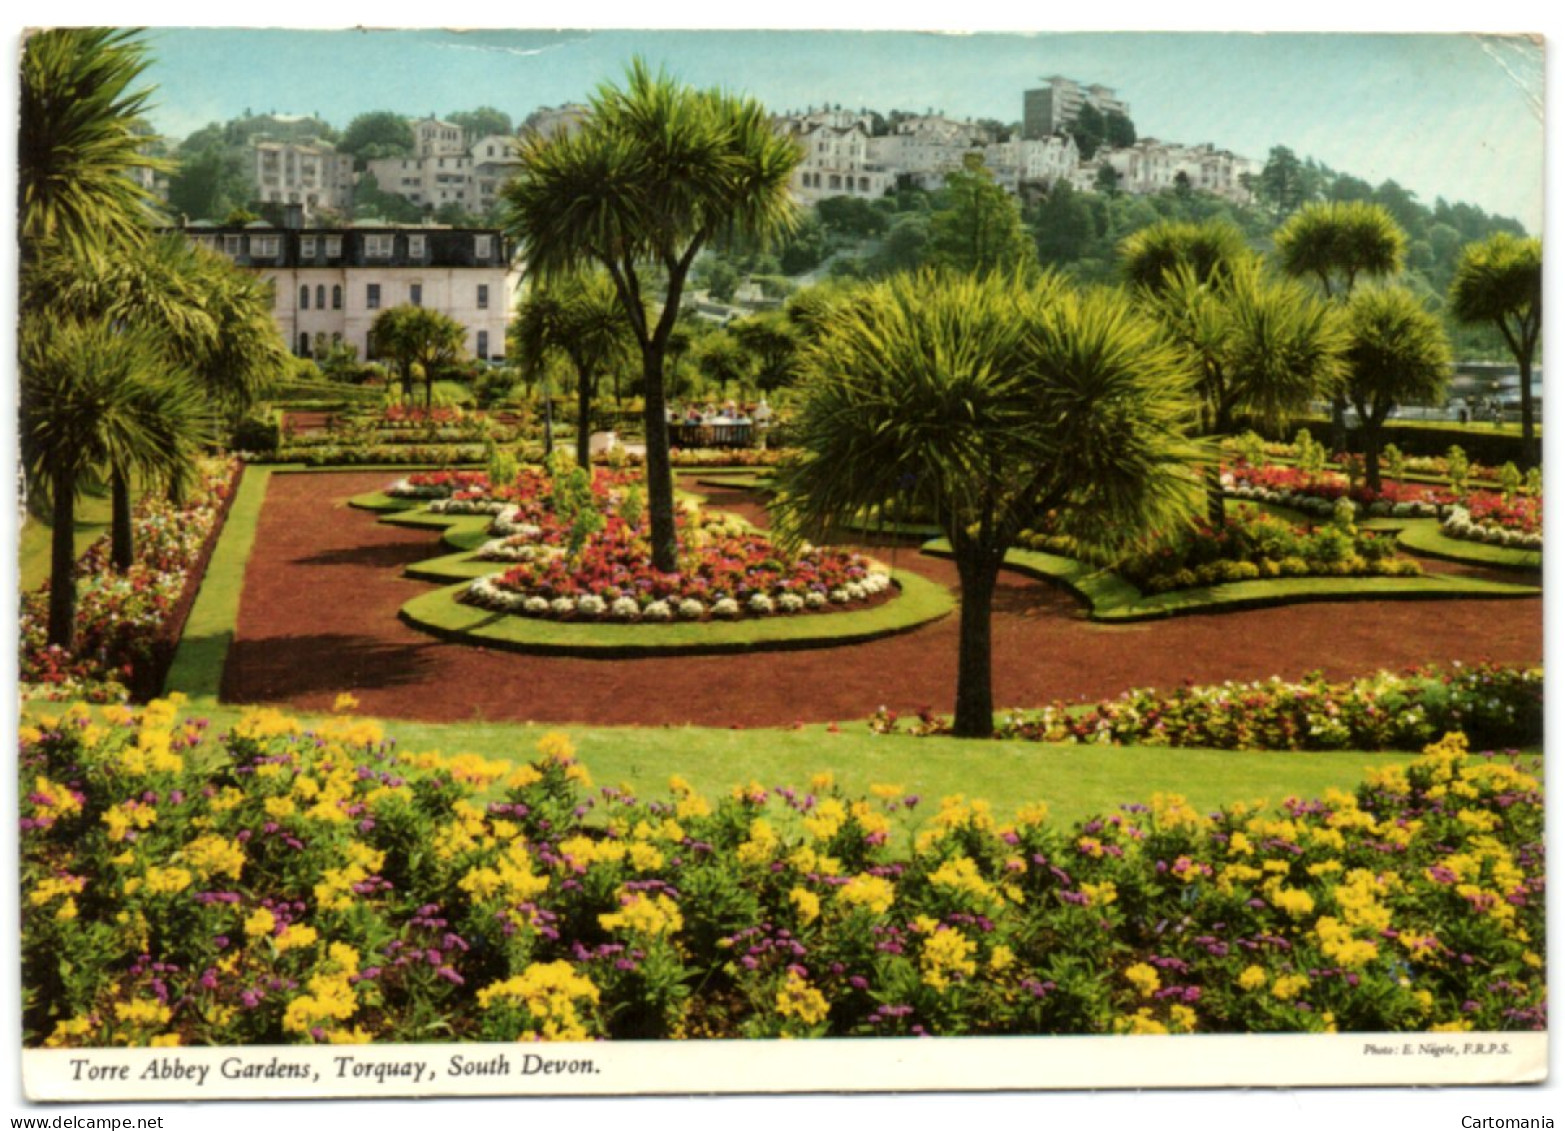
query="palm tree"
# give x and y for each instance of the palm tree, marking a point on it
(1397, 354)
(77, 140)
(209, 317)
(417, 336)
(1500, 281)
(773, 342)
(1255, 345)
(578, 315)
(657, 171)
(1335, 243)
(987, 402)
(723, 361)
(1210, 249)
(96, 396)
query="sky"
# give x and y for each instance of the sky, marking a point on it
(1458, 116)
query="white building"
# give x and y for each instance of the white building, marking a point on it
(329, 284)
(837, 162)
(428, 181)
(1036, 161)
(434, 138)
(546, 121)
(495, 160)
(1151, 166)
(1052, 108)
(312, 174)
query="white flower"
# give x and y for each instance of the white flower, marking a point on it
(790, 602)
(591, 606)
(562, 606)
(624, 608)
(536, 606)
(838, 596)
(815, 599)
(691, 609)
(658, 611)
(854, 590)
(725, 607)
(760, 604)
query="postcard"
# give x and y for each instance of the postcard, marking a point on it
(637, 563)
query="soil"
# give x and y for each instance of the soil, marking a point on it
(318, 616)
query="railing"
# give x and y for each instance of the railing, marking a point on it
(711, 435)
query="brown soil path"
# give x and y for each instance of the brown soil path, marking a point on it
(319, 616)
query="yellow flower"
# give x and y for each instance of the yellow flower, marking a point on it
(808, 903)
(961, 875)
(167, 881)
(1100, 895)
(798, 998)
(658, 915)
(1252, 978)
(1140, 1023)
(1289, 986)
(1144, 978)
(343, 703)
(262, 922)
(296, 935)
(947, 954)
(825, 819)
(555, 997)
(1293, 902)
(1182, 1018)
(864, 890)
(1001, 958)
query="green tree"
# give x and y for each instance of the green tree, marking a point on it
(980, 230)
(370, 202)
(804, 248)
(657, 171)
(1336, 244)
(208, 184)
(1211, 250)
(1397, 354)
(851, 216)
(1254, 345)
(579, 317)
(1106, 180)
(905, 247)
(1283, 183)
(482, 122)
(773, 343)
(1119, 132)
(379, 133)
(417, 337)
(986, 401)
(1500, 282)
(1062, 225)
(1090, 131)
(94, 396)
(79, 140)
(723, 361)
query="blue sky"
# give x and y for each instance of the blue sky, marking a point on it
(1459, 116)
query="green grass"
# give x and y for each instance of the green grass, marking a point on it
(36, 535)
(197, 669)
(1424, 536)
(1076, 781)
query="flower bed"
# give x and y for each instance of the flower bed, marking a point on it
(284, 886)
(1494, 520)
(126, 623)
(1496, 706)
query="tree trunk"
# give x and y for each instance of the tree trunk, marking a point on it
(1371, 437)
(1524, 365)
(1339, 425)
(122, 544)
(974, 689)
(583, 420)
(1216, 515)
(62, 565)
(660, 472)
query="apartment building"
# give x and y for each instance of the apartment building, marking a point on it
(470, 177)
(330, 283)
(1152, 166)
(1036, 162)
(311, 174)
(836, 161)
(1052, 108)
(434, 138)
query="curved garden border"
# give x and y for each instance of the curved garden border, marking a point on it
(439, 614)
(1110, 598)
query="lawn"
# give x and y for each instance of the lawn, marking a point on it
(92, 522)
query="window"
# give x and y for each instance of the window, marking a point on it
(378, 247)
(304, 298)
(483, 296)
(372, 296)
(320, 296)
(304, 344)
(482, 246)
(264, 247)
(336, 296)
(233, 245)
(416, 246)
(333, 247)
(416, 294)
(483, 345)
(307, 247)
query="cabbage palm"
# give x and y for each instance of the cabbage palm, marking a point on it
(1256, 345)
(1210, 250)
(77, 142)
(96, 396)
(658, 171)
(1397, 354)
(1500, 281)
(986, 402)
(578, 315)
(417, 336)
(1335, 243)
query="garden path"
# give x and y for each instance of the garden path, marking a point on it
(318, 616)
